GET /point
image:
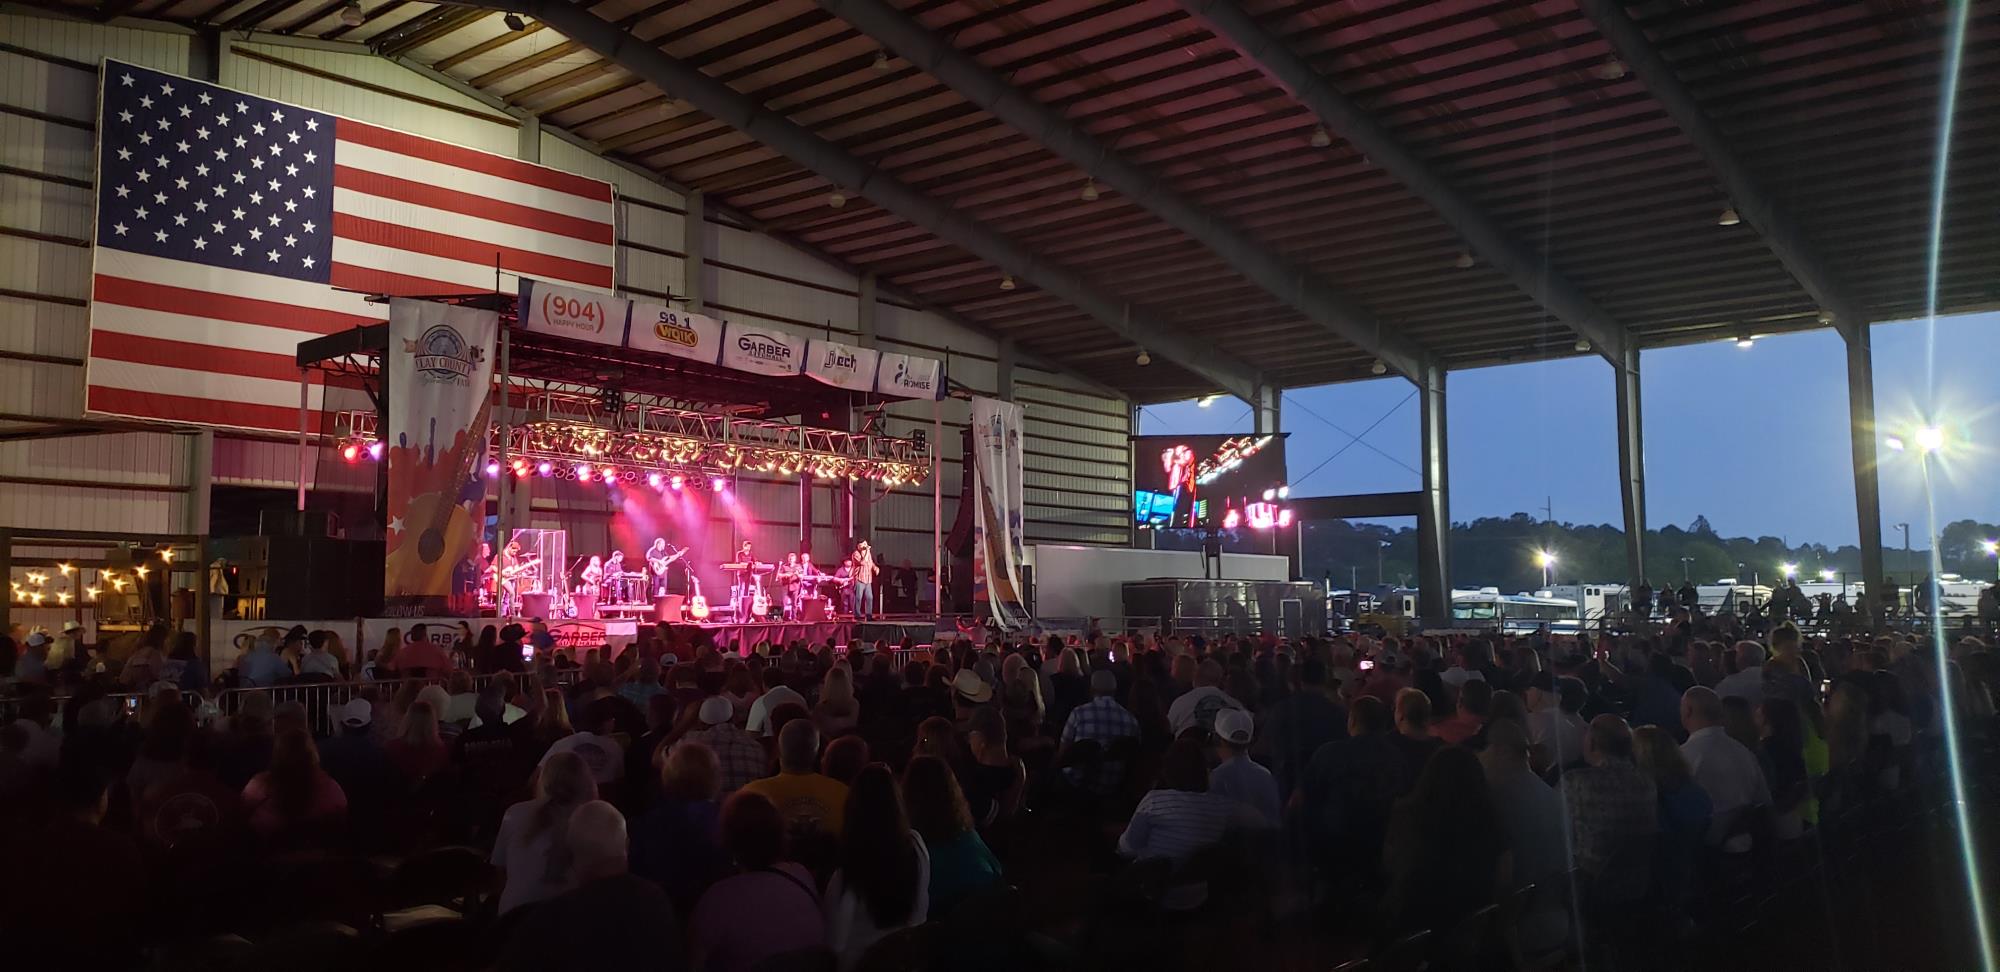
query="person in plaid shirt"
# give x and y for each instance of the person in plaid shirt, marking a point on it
(1103, 720)
(739, 756)
(1611, 804)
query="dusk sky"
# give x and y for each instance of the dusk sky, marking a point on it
(1756, 439)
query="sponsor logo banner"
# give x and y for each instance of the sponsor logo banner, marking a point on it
(909, 376)
(440, 372)
(761, 349)
(842, 365)
(575, 314)
(670, 330)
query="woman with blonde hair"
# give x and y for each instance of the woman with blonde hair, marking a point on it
(552, 722)
(418, 751)
(532, 850)
(385, 657)
(837, 712)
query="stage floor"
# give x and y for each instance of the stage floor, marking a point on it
(743, 637)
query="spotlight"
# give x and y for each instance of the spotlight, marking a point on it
(1321, 138)
(1270, 494)
(1089, 193)
(1827, 574)
(1206, 400)
(1464, 261)
(718, 484)
(350, 452)
(352, 15)
(492, 469)
(521, 471)
(514, 22)
(654, 480)
(582, 473)
(1378, 368)
(1746, 341)
(1583, 344)
(678, 481)
(1284, 492)
(836, 199)
(881, 61)
(609, 474)
(374, 450)
(1143, 359)
(1007, 281)
(546, 469)
(1930, 438)
(1729, 217)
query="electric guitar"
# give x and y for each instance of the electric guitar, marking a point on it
(697, 606)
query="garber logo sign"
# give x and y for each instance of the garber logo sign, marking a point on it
(764, 348)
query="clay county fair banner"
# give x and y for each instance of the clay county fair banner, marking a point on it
(755, 348)
(998, 540)
(232, 227)
(440, 370)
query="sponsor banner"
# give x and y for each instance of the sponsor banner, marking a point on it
(670, 330)
(999, 539)
(440, 381)
(909, 376)
(842, 365)
(761, 349)
(575, 314)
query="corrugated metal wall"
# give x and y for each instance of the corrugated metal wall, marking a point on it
(1077, 478)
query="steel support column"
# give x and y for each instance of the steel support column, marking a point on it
(1003, 371)
(1267, 410)
(1867, 487)
(1434, 515)
(694, 243)
(528, 139)
(861, 497)
(1631, 462)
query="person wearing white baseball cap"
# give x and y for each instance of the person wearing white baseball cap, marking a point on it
(738, 755)
(1238, 776)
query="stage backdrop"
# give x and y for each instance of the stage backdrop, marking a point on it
(998, 540)
(440, 375)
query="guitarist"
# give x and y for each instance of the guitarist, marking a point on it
(658, 558)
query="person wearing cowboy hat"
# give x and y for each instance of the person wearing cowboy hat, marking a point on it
(864, 571)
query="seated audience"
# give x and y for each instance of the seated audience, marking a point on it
(532, 849)
(608, 921)
(961, 864)
(295, 802)
(770, 907)
(883, 883)
(808, 800)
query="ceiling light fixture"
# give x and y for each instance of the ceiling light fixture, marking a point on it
(1378, 368)
(1089, 193)
(1746, 341)
(836, 199)
(1143, 359)
(1610, 70)
(1729, 217)
(881, 60)
(1007, 281)
(1583, 344)
(514, 22)
(1464, 261)
(352, 15)
(1321, 138)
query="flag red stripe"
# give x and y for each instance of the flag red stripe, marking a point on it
(437, 197)
(224, 307)
(369, 280)
(200, 411)
(186, 356)
(473, 159)
(514, 259)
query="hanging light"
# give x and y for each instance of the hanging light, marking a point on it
(1583, 344)
(1321, 138)
(1729, 217)
(836, 199)
(1143, 359)
(881, 60)
(1464, 261)
(352, 15)
(1746, 341)
(514, 22)
(1378, 368)
(1610, 70)
(1007, 281)
(1089, 193)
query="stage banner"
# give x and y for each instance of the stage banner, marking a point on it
(575, 314)
(841, 365)
(909, 376)
(999, 542)
(761, 350)
(440, 379)
(670, 330)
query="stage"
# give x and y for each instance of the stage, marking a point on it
(740, 637)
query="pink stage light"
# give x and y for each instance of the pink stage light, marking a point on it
(351, 452)
(609, 474)
(374, 450)
(654, 480)
(718, 484)
(582, 473)
(678, 481)
(492, 469)
(546, 469)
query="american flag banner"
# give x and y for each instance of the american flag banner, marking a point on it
(232, 227)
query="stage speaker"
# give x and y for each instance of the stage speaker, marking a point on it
(315, 577)
(586, 606)
(667, 609)
(813, 609)
(536, 606)
(285, 523)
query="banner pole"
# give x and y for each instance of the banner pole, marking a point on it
(304, 401)
(506, 470)
(937, 503)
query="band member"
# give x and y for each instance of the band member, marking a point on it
(509, 571)
(613, 587)
(864, 571)
(790, 587)
(593, 576)
(744, 587)
(659, 557)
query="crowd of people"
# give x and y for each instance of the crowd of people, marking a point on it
(678, 807)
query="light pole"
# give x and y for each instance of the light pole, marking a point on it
(1545, 560)
(1685, 562)
(1380, 545)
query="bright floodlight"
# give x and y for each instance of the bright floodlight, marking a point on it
(1789, 570)
(1992, 547)
(1894, 443)
(1827, 574)
(1930, 438)
(1544, 558)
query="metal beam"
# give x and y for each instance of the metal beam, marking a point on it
(1867, 485)
(1267, 410)
(1294, 285)
(1631, 462)
(694, 249)
(833, 163)
(1527, 267)
(1434, 510)
(1747, 195)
